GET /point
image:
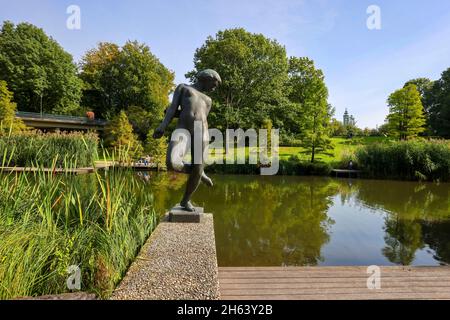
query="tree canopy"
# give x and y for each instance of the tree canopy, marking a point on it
(8, 120)
(437, 104)
(254, 73)
(41, 74)
(406, 116)
(119, 77)
(308, 90)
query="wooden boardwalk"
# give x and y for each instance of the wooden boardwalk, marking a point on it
(332, 283)
(76, 171)
(346, 172)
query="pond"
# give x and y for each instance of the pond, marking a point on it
(298, 221)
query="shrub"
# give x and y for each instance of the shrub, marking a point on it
(8, 120)
(33, 148)
(411, 160)
(157, 149)
(291, 166)
(120, 136)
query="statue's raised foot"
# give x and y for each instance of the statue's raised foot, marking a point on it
(207, 180)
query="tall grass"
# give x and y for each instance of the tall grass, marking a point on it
(411, 160)
(48, 223)
(33, 148)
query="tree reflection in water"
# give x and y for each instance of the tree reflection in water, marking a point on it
(275, 221)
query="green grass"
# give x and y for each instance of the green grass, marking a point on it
(341, 147)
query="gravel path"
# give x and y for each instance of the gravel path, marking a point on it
(177, 262)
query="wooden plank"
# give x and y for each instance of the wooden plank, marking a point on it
(330, 285)
(335, 291)
(337, 268)
(349, 296)
(224, 281)
(397, 282)
(289, 275)
(84, 170)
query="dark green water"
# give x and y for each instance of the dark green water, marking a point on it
(275, 221)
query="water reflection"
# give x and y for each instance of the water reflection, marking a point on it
(272, 221)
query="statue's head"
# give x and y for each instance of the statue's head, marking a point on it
(209, 79)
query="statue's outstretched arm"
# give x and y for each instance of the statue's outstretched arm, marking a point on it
(170, 113)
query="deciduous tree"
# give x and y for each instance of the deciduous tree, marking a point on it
(254, 74)
(8, 120)
(309, 91)
(41, 74)
(119, 77)
(406, 116)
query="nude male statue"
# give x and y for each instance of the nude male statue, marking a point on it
(195, 106)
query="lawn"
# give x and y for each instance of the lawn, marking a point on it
(341, 145)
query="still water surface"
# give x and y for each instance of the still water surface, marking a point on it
(297, 221)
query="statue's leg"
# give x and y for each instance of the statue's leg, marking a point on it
(194, 179)
(176, 152)
(191, 186)
(174, 157)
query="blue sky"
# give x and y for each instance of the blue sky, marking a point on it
(361, 66)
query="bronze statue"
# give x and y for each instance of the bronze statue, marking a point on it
(190, 104)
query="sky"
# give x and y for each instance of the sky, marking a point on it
(362, 66)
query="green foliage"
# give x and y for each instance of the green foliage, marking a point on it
(291, 166)
(411, 160)
(8, 121)
(33, 148)
(406, 116)
(308, 89)
(437, 105)
(157, 149)
(120, 77)
(294, 166)
(254, 73)
(337, 128)
(119, 135)
(48, 223)
(39, 72)
(423, 85)
(142, 121)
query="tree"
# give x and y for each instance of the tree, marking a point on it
(437, 102)
(156, 148)
(423, 85)
(119, 135)
(254, 73)
(346, 118)
(8, 120)
(337, 128)
(41, 74)
(383, 130)
(406, 117)
(142, 121)
(308, 90)
(119, 77)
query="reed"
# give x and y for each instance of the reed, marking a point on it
(34, 148)
(50, 222)
(410, 160)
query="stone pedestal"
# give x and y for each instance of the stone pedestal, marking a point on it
(178, 262)
(179, 214)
